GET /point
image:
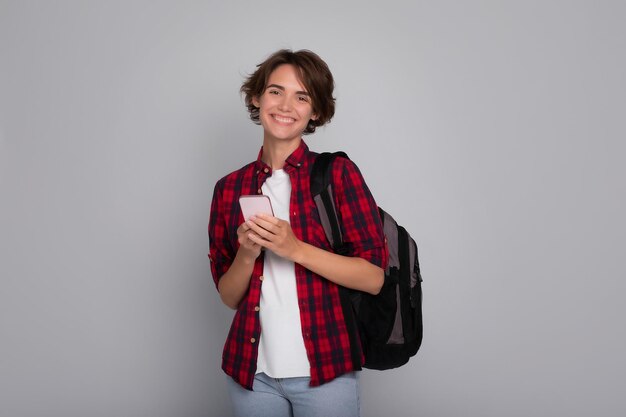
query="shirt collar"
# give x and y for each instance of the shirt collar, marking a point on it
(295, 160)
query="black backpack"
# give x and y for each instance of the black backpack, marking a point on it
(389, 324)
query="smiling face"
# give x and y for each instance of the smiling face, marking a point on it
(285, 106)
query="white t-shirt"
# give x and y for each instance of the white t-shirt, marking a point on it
(281, 347)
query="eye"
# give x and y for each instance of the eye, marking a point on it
(303, 99)
(274, 92)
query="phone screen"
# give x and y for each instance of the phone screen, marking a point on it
(255, 204)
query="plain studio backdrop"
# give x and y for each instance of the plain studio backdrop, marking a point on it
(493, 130)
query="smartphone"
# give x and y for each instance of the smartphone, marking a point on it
(255, 204)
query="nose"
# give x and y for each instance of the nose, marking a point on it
(285, 103)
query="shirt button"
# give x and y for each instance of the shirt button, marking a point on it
(258, 170)
(266, 170)
(252, 340)
(261, 278)
(294, 213)
(298, 164)
(259, 191)
(257, 308)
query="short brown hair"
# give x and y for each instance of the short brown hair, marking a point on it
(313, 73)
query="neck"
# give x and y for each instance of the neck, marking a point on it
(275, 153)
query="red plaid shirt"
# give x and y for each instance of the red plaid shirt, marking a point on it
(323, 327)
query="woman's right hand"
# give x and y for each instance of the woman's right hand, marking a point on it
(247, 248)
(235, 282)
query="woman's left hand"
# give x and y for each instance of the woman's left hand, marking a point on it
(276, 235)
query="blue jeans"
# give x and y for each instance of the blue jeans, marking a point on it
(293, 397)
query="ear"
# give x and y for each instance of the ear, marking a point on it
(255, 101)
(314, 116)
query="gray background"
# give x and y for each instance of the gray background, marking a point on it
(502, 124)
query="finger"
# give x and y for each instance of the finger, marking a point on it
(251, 240)
(266, 224)
(245, 241)
(259, 240)
(268, 218)
(264, 233)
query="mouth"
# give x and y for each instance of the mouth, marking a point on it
(283, 119)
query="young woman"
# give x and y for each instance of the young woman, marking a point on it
(288, 351)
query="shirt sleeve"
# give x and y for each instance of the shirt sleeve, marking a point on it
(220, 249)
(360, 220)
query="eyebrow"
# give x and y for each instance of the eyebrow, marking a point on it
(280, 87)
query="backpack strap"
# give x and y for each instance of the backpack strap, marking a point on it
(322, 192)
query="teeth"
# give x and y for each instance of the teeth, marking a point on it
(284, 119)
